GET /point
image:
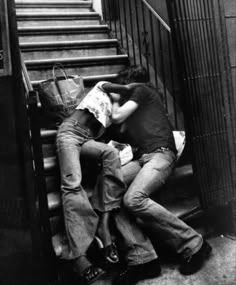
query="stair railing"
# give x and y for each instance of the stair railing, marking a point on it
(42, 211)
(146, 38)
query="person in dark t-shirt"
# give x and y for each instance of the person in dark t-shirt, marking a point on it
(147, 128)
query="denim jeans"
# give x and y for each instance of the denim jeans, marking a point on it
(81, 220)
(145, 176)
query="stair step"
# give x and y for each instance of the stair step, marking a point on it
(23, 3)
(43, 50)
(42, 69)
(50, 165)
(183, 208)
(53, 15)
(54, 201)
(63, 22)
(53, 6)
(89, 81)
(60, 242)
(50, 9)
(62, 33)
(57, 18)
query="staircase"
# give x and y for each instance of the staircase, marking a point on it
(69, 32)
(72, 33)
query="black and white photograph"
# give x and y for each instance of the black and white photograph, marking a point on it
(118, 142)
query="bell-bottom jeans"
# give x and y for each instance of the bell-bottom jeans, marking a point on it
(145, 176)
(81, 220)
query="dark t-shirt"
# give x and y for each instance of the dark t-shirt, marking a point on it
(148, 128)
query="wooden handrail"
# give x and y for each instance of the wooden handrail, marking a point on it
(157, 16)
(27, 83)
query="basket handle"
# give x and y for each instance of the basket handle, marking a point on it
(60, 67)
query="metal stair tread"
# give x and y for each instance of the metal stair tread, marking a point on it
(183, 208)
(45, 134)
(67, 43)
(54, 201)
(76, 59)
(60, 242)
(50, 163)
(87, 78)
(59, 14)
(63, 2)
(59, 28)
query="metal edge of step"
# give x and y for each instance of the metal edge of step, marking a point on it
(50, 164)
(50, 4)
(184, 171)
(78, 61)
(42, 30)
(34, 46)
(88, 80)
(56, 15)
(48, 134)
(54, 201)
(191, 214)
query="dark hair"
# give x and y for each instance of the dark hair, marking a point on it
(133, 74)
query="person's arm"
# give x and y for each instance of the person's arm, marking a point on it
(120, 89)
(121, 113)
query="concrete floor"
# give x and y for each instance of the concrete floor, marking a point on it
(220, 269)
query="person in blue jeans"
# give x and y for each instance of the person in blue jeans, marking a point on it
(76, 136)
(147, 129)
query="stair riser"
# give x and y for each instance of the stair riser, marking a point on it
(82, 70)
(63, 37)
(53, 183)
(69, 53)
(49, 23)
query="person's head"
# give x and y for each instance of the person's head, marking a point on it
(133, 74)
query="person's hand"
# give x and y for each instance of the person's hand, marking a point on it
(115, 97)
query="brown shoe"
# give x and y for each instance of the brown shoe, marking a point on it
(132, 274)
(195, 262)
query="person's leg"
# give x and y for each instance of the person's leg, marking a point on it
(108, 191)
(156, 169)
(80, 219)
(138, 247)
(130, 171)
(110, 186)
(141, 260)
(76, 204)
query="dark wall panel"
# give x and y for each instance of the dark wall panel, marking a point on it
(11, 194)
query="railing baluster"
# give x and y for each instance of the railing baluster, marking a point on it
(136, 19)
(132, 32)
(104, 10)
(115, 16)
(138, 32)
(153, 48)
(121, 34)
(162, 64)
(172, 84)
(126, 29)
(145, 33)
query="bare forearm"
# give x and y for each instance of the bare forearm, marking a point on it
(120, 89)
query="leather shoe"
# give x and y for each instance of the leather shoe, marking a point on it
(195, 262)
(132, 274)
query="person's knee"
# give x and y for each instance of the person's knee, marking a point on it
(110, 153)
(134, 201)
